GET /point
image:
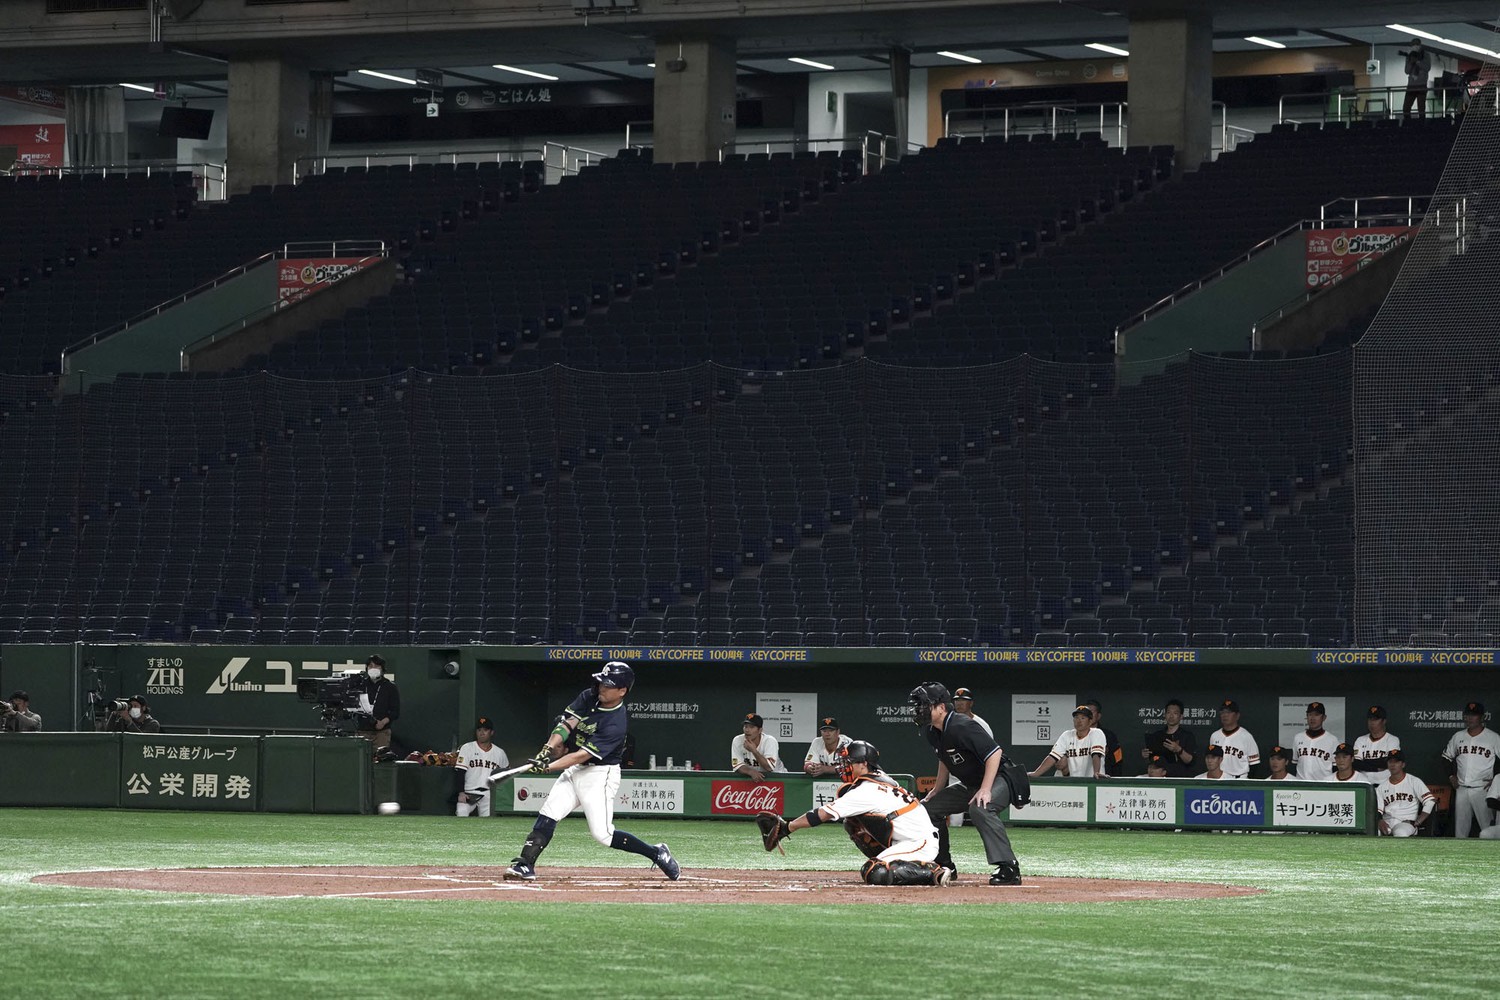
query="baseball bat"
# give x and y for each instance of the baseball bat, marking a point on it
(500, 776)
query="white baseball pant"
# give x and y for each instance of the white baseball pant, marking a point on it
(1490, 832)
(1469, 806)
(911, 850)
(482, 807)
(592, 786)
(1400, 827)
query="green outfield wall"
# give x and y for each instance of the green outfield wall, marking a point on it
(688, 703)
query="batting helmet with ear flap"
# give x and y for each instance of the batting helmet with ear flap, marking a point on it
(616, 673)
(924, 696)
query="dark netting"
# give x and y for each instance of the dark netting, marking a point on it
(1428, 545)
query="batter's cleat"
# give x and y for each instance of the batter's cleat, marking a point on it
(667, 863)
(521, 870)
(1008, 873)
(943, 876)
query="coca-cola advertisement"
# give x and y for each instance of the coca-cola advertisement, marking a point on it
(746, 798)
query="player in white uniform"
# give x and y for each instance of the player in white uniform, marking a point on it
(1213, 760)
(1492, 799)
(1343, 767)
(823, 756)
(1079, 754)
(1471, 756)
(1313, 748)
(884, 819)
(1277, 761)
(477, 760)
(1240, 750)
(1405, 800)
(1370, 751)
(753, 752)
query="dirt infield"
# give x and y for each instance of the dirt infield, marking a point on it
(618, 885)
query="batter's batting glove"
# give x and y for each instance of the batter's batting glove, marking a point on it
(544, 755)
(537, 766)
(773, 830)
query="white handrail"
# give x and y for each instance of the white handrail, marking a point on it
(319, 164)
(1053, 115)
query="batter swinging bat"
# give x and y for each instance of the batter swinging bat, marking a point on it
(500, 776)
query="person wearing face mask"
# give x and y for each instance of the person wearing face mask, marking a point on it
(384, 703)
(135, 717)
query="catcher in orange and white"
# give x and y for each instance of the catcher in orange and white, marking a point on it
(885, 821)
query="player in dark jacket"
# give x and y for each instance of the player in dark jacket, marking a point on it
(971, 755)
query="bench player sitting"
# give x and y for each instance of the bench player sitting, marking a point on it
(1343, 767)
(1277, 763)
(1080, 753)
(754, 753)
(884, 820)
(1405, 800)
(1213, 759)
(823, 754)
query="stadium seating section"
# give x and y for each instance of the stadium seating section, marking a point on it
(722, 455)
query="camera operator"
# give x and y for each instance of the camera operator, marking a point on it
(133, 716)
(20, 718)
(384, 704)
(1418, 68)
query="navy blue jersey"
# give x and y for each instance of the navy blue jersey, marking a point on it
(964, 746)
(600, 731)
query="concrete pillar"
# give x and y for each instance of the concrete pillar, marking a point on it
(900, 97)
(1171, 81)
(268, 120)
(693, 102)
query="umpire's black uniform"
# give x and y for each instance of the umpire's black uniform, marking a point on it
(964, 746)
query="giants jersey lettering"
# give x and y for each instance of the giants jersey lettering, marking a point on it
(1240, 751)
(478, 764)
(1080, 752)
(1313, 755)
(874, 796)
(1474, 756)
(1402, 802)
(819, 753)
(1366, 748)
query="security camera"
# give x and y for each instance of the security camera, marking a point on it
(451, 668)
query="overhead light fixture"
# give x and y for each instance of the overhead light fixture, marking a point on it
(526, 72)
(960, 57)
(1439, 39)
(808, 62)
(137, 86)
(1264, 41)
(387, 76)
(1111, 49)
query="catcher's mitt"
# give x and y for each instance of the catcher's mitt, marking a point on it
(773, 830)
(434, 759)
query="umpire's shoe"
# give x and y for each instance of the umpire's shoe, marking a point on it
(1007, 873)
(521, 870)
(667, 863)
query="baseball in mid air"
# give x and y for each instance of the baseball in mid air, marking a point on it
(388, 808)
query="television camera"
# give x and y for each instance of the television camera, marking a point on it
(338, 700)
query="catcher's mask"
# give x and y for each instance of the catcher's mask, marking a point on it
(615, 674)
(924, 696)
(858, 752)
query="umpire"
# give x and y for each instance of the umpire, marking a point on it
(972, 756)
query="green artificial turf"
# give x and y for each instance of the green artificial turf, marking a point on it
(1341, 917)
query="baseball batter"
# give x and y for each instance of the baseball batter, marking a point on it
(1370, 751)
(477, 760)
(1343, 767)
(1471, 756)
(1239, 748)
(1405, 801)
(1079, 754)
(590, 736)
(883, 819)
(1312, 750)
(824, 755)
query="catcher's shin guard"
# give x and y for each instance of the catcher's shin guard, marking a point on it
(913, 873)
(876, 872)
